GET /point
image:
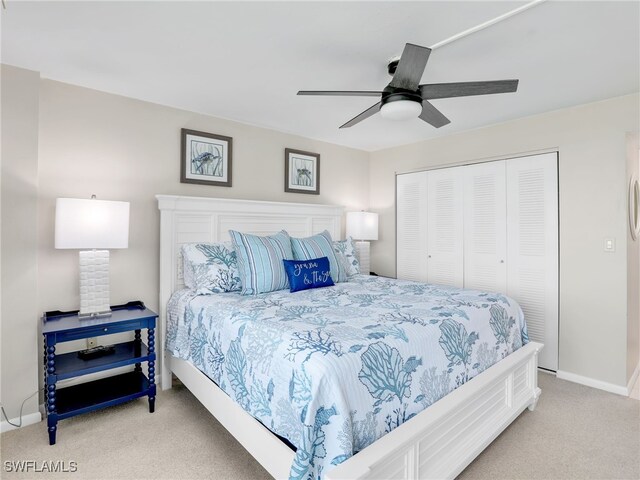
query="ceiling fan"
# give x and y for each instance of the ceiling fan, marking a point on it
(405, 98)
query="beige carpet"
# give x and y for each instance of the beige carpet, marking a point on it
(575, 433)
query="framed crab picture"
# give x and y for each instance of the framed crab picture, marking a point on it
(301, 172)
(206, 158)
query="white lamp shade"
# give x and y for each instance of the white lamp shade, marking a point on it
(362, 225)
(89, 224)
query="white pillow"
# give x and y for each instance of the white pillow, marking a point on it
(210, 268)
(346, 253)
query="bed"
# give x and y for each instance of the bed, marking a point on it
(272, 368)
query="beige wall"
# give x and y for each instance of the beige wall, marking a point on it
(592, 202)
(19, 339)
(633, 266)
(123, 149)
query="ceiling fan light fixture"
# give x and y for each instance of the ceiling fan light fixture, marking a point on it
(401, 110)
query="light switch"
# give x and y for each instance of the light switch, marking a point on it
(609, 244)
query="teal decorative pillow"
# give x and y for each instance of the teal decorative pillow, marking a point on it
(346, 253)
(210, 268)
(317, 246)
(260, 261)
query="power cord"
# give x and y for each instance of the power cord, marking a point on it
(21, 407)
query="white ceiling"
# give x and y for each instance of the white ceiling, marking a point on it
(246, 61)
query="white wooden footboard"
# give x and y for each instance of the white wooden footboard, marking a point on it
(438, 443)
(442, 440)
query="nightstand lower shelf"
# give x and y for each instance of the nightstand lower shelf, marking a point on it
(98, 394)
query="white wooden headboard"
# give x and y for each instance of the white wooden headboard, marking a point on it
(199, 219)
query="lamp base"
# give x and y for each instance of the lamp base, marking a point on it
(362, 250)
(94, 283)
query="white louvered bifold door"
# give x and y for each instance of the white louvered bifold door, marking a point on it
(445, 230)
(485, 227)
(411, 226)
(532, 247)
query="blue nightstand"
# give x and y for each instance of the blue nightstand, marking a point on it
(86, 397)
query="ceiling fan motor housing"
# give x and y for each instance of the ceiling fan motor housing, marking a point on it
(391, 94)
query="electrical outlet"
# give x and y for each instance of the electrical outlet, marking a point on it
(92, 342)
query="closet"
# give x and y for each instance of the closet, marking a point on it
(489, 226)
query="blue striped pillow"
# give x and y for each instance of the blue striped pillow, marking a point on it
(260, 261)
(319, 245)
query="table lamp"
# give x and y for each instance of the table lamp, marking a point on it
(93, 226)
(363, 226)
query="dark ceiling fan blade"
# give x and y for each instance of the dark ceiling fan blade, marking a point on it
(410, 67)
(465, 89)
(366, 114)
(354, 93)
(432, 115)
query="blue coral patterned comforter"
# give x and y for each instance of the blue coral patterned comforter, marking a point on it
(333, 369)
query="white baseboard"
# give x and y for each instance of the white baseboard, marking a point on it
(633, 379)
(29, 419)
(592, 382)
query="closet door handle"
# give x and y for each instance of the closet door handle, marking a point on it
(428, 256)
(501, 261)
